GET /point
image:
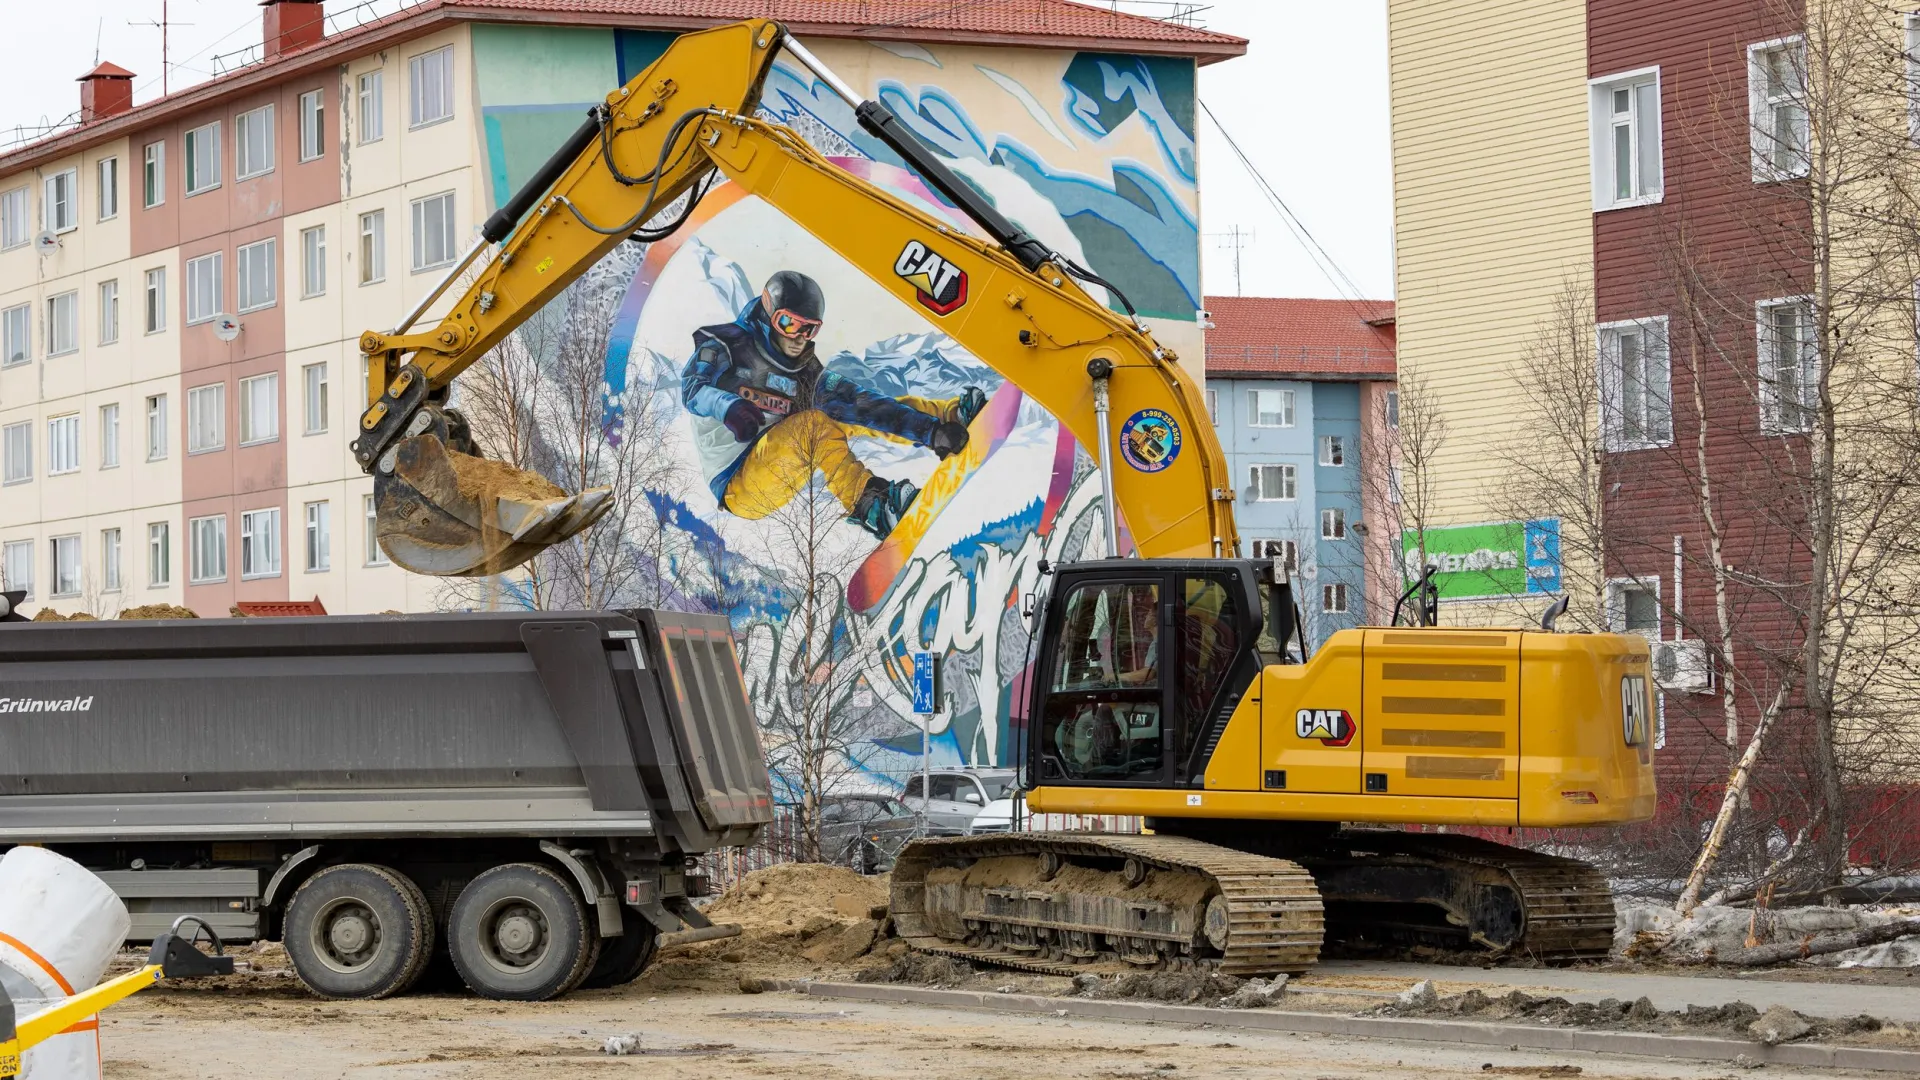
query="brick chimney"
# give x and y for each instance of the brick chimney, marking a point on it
(105, 91)
(288, 25)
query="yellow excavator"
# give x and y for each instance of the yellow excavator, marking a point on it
(1177, 686)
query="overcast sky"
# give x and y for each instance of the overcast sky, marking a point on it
(1308, 105)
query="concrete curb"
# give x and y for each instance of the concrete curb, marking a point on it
(1634, 1043)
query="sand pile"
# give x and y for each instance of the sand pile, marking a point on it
(484, 480)
(47, 614)
(785, 900)
(158, 611)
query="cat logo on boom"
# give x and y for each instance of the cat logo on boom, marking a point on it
(1333, 727)
(940, 286)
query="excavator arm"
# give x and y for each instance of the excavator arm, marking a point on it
(675, 130)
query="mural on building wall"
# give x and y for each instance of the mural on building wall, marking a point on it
(788, 372)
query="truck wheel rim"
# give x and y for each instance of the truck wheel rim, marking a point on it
(514, 935)
(346, 936)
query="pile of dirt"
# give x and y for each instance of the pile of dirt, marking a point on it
(920, 969)
(1173, 987)
(47, 614)
(1732, 1020)
(800, 901)
(158, 611)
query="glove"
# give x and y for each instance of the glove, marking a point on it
(744, 420)
(948, 439)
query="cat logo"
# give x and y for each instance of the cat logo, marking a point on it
(1633, 709)
(940, 286)
(1333, 727)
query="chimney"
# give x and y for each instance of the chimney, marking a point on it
(105, 91)
(290, 25)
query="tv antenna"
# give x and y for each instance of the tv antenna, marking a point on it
(163, 24)
(1235, 239)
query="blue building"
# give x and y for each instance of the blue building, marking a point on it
(1301, 395)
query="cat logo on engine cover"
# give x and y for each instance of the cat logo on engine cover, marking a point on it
(1333, 727)
(940, 286)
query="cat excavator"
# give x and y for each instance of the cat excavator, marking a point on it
(1176, 685)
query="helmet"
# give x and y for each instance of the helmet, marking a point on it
(792, 306)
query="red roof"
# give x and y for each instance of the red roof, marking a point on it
(1312, 339)
(106, 70)
(273, 609)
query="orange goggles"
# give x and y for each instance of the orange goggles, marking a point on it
(795, 326)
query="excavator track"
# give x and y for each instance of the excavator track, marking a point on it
(1151, 902)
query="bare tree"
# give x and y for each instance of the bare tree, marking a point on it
(1401, 448)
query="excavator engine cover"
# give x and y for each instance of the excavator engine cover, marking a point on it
(451, 514)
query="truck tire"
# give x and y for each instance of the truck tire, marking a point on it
(418, 898)
(622, 959)
(520, 932)
(357, 931)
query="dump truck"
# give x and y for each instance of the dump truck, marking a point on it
(520, 797)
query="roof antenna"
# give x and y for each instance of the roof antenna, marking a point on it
(98, 29)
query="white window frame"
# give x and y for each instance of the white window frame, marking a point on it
(1213, 406)
(370, 92)
(1333, 523)
(16, 335)
(10, 555)
(260, 543)
(257, 427)
(16, 453)
(63, 323)
(63, 444)
(423, 212)
(69, 572)
(1626, 423)
(313, 125)
(158, 443)
(313, 262)
(1392, 410)
(1289, 411)
(159, 554)
(314, 394)
(319, 530)
(106, 174)
(214, 528)
(60, 201)
(1772, 417)
(109, 292)
(16, 227)
(370, 536)
(155, 293)
(204, 275)
(110, 576)
(1762, 112)
(253, 138)
(1913, 77)
(1616, 589)
(110, 436)
(1396, 485)
(1288, 549)
(256, 275)
(418, 105)
(206, 418)
(1334, 599)
(1605, 122)
(1289, 482)
(153, 174)
(1333, 451)
(203, 142)
(373, 247)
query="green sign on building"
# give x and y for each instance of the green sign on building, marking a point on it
(1478, 562)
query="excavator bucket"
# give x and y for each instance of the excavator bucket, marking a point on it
(456, 515)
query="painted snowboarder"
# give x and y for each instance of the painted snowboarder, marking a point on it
(767, 414)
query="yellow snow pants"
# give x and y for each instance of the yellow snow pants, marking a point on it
(782, 463)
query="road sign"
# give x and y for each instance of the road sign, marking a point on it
(926, 683)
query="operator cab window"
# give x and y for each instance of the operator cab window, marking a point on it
(1102, 716)
(1209, 645)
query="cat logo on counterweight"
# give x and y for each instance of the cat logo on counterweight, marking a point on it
(940, 286)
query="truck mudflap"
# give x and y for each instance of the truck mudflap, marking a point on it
(711, 721)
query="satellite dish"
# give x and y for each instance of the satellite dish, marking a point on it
(46, 243)
(226, 327)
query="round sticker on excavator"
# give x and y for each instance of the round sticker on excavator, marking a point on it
(1333, 727)
(1150, 440)
(940, 286)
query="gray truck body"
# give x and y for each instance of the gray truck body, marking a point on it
(202, 764)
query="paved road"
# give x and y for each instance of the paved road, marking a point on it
(1666, 991)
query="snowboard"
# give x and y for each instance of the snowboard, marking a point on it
(875, 576)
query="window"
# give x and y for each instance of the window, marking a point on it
(253, 143)
(1393, 409)
(16, 334)
(1394, 480)
(1213, 406)
(203, 288)
(63, 445)
(433, 238)
(255, 263)
(1271, 483)
(313, 261)
(203, 158)
(1789, 366)
(1777, 109)
(206, 418)
(313, 378)
(1637, 410)
(159, 554)
(371, 538)
(1624, 130)
(153, 175)
(107, 179)
(259, 409)
(110, 560)
(1333, 450)
(260, 543)
(313, 125)
(1102, 716)
(61, 204)
(208, 536)
(156, 300)
(430, 83)
(63, 324)
(1285, 550)
(66, 565)
(1333, 524)
(109, 312)
(373, 118)
(18, 453)
(110, 436)
(1913, 77)
(1633, 606)
(1333, 598)
(319, 541)
(16, 559)
(1270, 408)
(373, 247)
(13, 218)
(157, 427)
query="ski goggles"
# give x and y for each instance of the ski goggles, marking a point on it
(795, 326)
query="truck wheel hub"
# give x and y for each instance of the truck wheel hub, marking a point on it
(518, 934)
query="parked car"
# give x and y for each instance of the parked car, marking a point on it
(999, 815)
(866, 831)
(959, 795)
